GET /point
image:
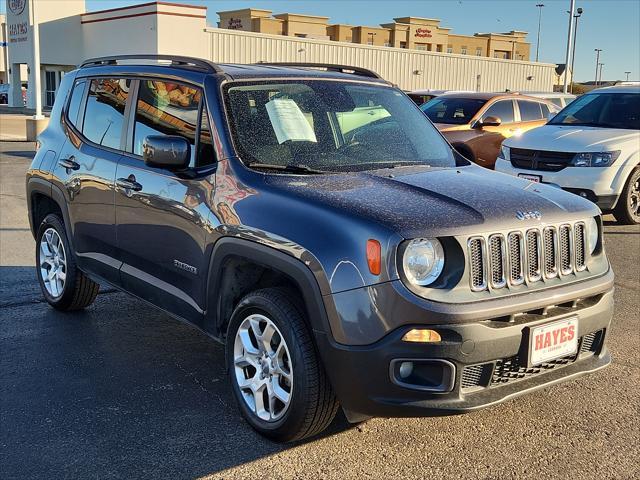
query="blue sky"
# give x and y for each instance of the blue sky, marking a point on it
(612, 25)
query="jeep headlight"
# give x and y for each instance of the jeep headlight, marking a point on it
(595, 159)
(592, 234)
(505, 153)
(423, 261)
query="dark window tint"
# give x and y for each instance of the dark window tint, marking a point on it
(545, 110)
(205, 147)
(73, 110)
(104, 114)
(529, 111)
(502, 109)
(166, 108)
(457, 111)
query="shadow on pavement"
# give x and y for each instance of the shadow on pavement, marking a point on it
(118, 390)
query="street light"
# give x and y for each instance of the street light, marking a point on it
(569, 42)
(573, 53)
(600, 76)
(597, 50)
(627, 74)
(540, 6)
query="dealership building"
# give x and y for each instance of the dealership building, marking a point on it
(414, 53)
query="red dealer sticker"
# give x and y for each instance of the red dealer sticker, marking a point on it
(553, 340)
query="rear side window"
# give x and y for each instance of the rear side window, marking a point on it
(73, 110)
(545, 110)
(166, 108)
(104, 114)
(556, 101)
(529, 111)
(502, 109)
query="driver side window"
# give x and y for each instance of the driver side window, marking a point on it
(502, 109)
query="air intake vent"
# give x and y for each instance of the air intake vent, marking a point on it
(566, 262)
(579, 238)
(477, 264)
(550, 252)
(497, 259)
(534, 255)
(516, 258)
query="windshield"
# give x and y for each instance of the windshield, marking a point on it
(328, 126)
(456, 111)
(605, 110)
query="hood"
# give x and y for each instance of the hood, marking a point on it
(414, 202)
(566, 138)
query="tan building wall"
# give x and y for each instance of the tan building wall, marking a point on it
(416, 33)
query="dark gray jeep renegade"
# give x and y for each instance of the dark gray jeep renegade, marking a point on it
(312, 219)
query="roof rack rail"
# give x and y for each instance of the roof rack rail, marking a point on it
(175, 60)
(329, 67)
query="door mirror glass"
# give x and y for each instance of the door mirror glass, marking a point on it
(166, 151)
(490, 122)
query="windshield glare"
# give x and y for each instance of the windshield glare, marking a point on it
(331, 126)
(605, 110)
(456, 111)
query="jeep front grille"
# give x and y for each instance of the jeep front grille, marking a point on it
(533, 255)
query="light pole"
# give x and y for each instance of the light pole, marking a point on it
(600, 76)
(597, 50)
(540, 6)
(36, 62)
(569, 42)
(573, 52)
(627, 74)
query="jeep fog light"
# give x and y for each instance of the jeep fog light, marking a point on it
(592, 234)
(421, 335)
(423, 261)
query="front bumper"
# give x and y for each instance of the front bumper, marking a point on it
(362, 375)
(602, 186)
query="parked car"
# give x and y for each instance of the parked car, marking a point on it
(559, 99)
(4, 93)
(374, 269)
(590, 148)
(477, 123)
(423, 96)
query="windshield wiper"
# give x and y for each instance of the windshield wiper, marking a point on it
(301, 169)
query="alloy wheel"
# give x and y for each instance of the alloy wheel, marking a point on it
(263, 368)
(53, 262)
(634, 199)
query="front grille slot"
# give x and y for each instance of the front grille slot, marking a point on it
(534, 254)
(550, 252)
(497, 260)
(475, 376)
(565, 250)
(516, 258)
(579, 238)
(477, 263)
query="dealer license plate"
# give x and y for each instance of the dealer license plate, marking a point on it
(553, 340)
(531, 178)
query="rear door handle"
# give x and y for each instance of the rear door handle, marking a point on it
(129, 183)
(69, 163)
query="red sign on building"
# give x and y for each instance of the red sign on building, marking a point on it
(423, 33)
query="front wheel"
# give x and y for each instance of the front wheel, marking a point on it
(277, 379)
(627, 211)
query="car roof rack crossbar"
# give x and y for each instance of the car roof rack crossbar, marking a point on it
(365, 72)
(174, 60)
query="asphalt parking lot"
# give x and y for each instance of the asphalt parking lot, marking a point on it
(123, 391)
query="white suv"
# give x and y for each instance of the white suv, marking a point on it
(590, 148)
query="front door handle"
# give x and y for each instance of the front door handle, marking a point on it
(129, 183)
(69, 163)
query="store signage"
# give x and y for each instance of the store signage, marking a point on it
(16, 6)
(235, 24)
(423, 33)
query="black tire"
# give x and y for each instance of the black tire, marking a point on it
(626, 211)
(313, 404)
(79, 291)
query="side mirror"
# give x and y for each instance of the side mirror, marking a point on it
(489, 122)
(166, 151)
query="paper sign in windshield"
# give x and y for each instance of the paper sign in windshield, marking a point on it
(289, 123)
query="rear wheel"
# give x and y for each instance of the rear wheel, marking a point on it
(277, 379)
(627, 211)
(63, 285)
